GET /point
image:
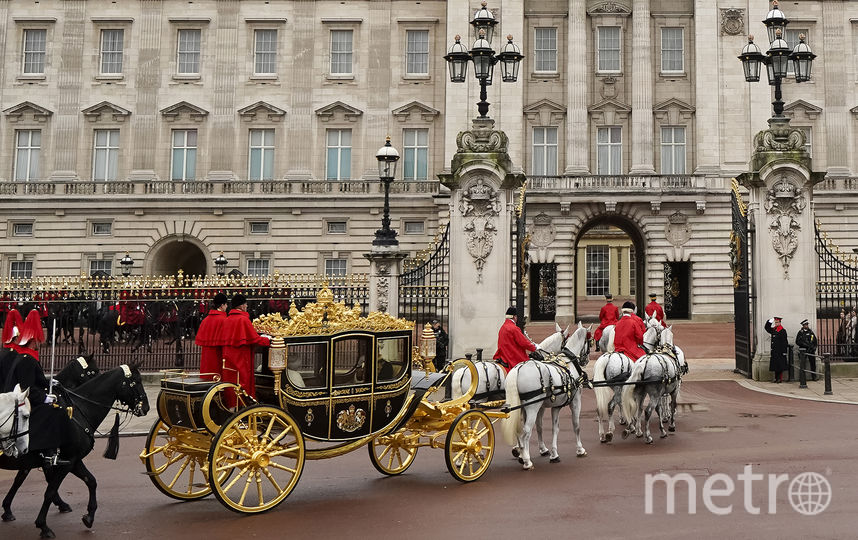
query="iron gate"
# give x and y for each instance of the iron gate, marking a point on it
(424, 286)
(520, 267)
(741, 290)
(836, 301)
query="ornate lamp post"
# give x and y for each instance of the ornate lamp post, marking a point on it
(126, 263)
(777, 58)
(483, 57)
(220, 263)
(387, 157)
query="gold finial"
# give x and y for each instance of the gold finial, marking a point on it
(458, 38)
(802, 37)
(750, 38)
(483, 3)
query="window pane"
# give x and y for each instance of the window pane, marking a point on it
(545, 49)
(255, 163)
(341, 51)
(189, 51)
(609, 48)
(178, 164)
(422, 164)
(417, 52)
(671, 49)
(191, 166)
(332, 162)
(266, 51)
(346, 164)
(111, 51)
(34, 51)
(268, 172)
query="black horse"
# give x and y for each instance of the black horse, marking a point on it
(92, 401)
(73, 375)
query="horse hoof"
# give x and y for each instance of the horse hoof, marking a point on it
(515, 452)
(603, 439)
(47, 533)
(582, 453)
(622, 421)
(609, 437)
(544, 453)
(626, 434)
(64, 508)
(663, 435)
(87, 520)
(671, 429)
(8, 516)
(638, 435)
(521, 460)
(528, 467)
(554, 460)
(648, 440)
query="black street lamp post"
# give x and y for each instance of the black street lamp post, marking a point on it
(483, 57)
(387, 157)
(126, 263)
(777, 58)
(220, 263)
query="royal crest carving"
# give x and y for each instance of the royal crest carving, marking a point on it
(677, 231)
(784, 204)
(480, 205)
(351, 419)
(544, 232)
(732, 22)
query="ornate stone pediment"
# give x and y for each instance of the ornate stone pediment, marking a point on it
(16, 113)
(611, 8)
(259, 109)
(106, 111)
(801, 107)
(183, 108)
(854, 110)
(609, 111)
(545, 112)
(427, 113)
(673, 111)
(330, 112)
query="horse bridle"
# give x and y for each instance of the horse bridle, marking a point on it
(14, 434)
(654, 345)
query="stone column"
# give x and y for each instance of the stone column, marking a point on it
(223, 134)
(708, 143)
(642, 147)
(147, 82)
(834, 33)
(577, 127)
(385, 267)
(483, 191)
(66, 132)
(300, 120)
(376, 121)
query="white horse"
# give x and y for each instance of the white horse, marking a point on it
(606, 342)
(667, 347)
(534, 385)
(15, 422)
(656, 375)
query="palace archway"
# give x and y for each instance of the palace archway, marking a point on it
(177, 252)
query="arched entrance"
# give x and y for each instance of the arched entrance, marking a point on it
(177, 252)
(610, 257)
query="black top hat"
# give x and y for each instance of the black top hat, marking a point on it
(628, 305)
(511, 311)
(653, 295)
(219, 300)
(238, 300)
(609, 296)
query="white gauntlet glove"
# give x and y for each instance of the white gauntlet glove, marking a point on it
(771, 321)
(50, 399)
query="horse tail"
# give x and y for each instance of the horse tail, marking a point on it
(510, 425)
(630, 405)
(610, 347)
(458, 378)
(603, 393)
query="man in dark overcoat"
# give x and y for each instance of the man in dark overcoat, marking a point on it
(806, 340)
(778, 361)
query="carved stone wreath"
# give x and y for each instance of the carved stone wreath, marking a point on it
(480, 205)
(784, 204)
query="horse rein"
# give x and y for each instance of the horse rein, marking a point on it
(14, 434)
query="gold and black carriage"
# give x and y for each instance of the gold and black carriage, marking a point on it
(333, 381)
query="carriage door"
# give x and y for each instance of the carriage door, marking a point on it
(543, 292)
(677, 279)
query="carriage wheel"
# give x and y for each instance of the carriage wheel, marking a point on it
(470, 446)
(176, 472)
(392, 454)
(257, 458)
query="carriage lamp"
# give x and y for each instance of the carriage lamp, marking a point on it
(387, 157)
(427, 347)
(220, 263)
(127, 263)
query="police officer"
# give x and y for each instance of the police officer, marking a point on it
(806, 340)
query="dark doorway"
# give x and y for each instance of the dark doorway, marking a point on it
(677, 280)
(179, 255)
(543, 292)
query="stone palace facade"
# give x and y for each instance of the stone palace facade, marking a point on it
(178, 130)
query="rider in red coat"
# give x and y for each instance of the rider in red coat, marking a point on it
(608, 315)
(210, 338)
(512, 343)
(239, 340)
(654, 309)
(628, 333)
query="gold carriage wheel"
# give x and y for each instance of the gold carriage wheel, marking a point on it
(470, 446)
(256, 459)
(175, 472)
(392, 454)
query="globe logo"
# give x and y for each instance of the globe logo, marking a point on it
(809, 493)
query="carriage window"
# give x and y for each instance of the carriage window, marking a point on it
(306, 365)
(392, 359)
(351, 356)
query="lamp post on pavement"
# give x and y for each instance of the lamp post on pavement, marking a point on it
(387, 157)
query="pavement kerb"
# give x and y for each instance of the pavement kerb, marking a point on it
(751, 386)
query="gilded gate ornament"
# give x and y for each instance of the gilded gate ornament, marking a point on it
(480, 203)
(784, 204)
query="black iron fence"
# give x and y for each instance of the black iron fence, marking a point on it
(154, 320)
(836, 301)
(424, 286)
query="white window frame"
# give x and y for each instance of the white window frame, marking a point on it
(411, 227)
(338, 148)
(341, 57)
(95, 224)
(111, 152)
(263, 227)
(23, 231)
(195, 56)
(259, 264)
(597, 278)
(613, 168)
(541, 164)
(331, 225)
(25, 272)
(33, 156)
(266, 57)
(791, 37)
(414, 57)
(681, 49)
(547, 63)
(412, 150)
(104, 265)
(185, 149)
(600, 49)
(37, 51)
(336, 266)
(671, 147)
(265, 149)
(103, 52)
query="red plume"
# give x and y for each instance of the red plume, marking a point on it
(32, 329)
(13, 320)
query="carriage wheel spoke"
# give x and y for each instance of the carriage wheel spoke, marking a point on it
(282, 467)
(480, 459)
(191, 476)
(270, 427)
(398, 455)
(272, 480)
(236, 479)
(283, 451)
(481, 433)
(384, 453)
(234, 464)
(278, 438)
(246, 487)
(180, 471)
(462, 465)
(170, 461)
(470, 465)
(459, 454)
(259, 489)
(237, 451)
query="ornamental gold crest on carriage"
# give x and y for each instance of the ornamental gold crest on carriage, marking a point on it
(351, 419)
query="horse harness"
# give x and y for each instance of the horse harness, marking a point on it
(567, 386)
(14, 434)
(682, 369)
(490, 392)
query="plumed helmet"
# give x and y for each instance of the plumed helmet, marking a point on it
(12, 327)
(219, 300)
(32, 331)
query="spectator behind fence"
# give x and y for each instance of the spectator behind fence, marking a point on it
(806, 340)
(841, 334)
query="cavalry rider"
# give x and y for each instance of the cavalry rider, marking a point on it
(10, 349)
(628, 333)
(654, 309)
(513, 345)
(210, 338)
(239, 339)
(608, 315)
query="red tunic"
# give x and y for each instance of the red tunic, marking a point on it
(628, 335)
(210, 339)
(608, 315)
(654, 309)
(239, 339)
(512, 344)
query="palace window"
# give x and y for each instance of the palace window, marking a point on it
(609, 150)
(341, 52)
(337, 227)
(598, 270)
(417, 52)
(416, 154)
(414, 227)
(261, 157)
(544, 151)
(265, 52)
(609, 49)
(633, 272)
(673, 150)
(336, 267)
(188, 52)
(111, 51)
(259, 227)
(21, 269)
(339, 154)
(35, 51)
(258, 267)
(184, 155)
(101, 265)
(105, 155)
(22, 229)
(28, 147)
(672, 60)
(545, 50)
(102, 228)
